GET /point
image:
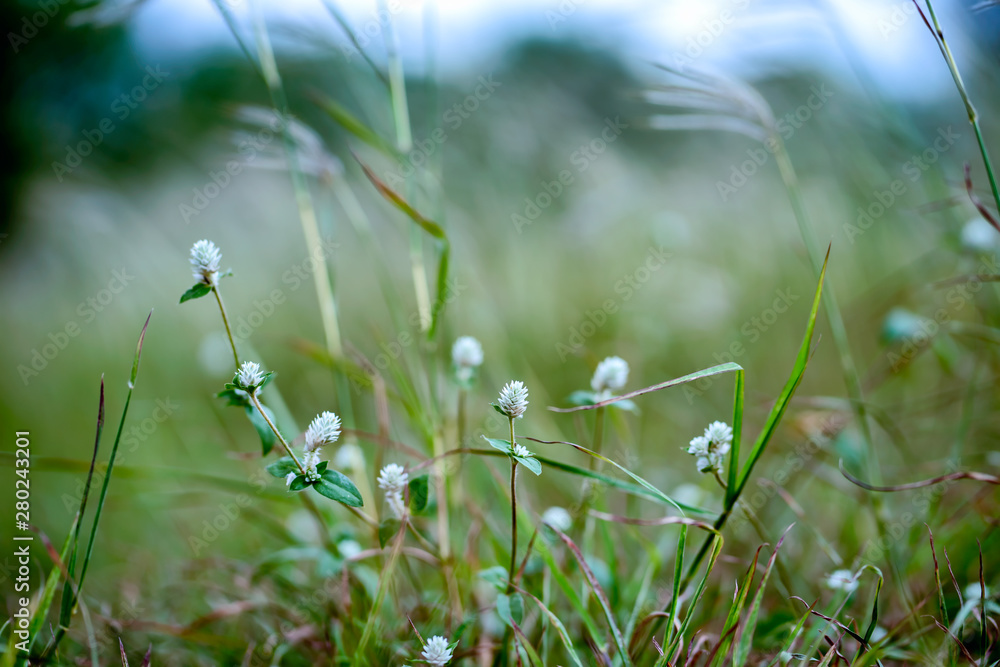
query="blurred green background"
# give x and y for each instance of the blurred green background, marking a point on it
(527, 291)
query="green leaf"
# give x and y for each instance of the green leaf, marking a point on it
(197, 291)
(418, 493)
(498, 409)
(234, 397)
(496, 575)
(510, 608)
(530, 463)
(744, 640)
(502, 445)
(352, 124)
(337, 486)
(778, 411)
(300, 482)
(387, 530)
(282, 467)
(267, 437)
(322, 466)
(560, 629)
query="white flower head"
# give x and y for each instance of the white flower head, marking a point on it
(436, 651)
(979, 236)
(610, 375)
(719, 435)
(712, 447)
(250, 376)
(842, 580)
(289, 478)
(514, 399)
(975, 592)
(467, 355)
(521, 450)
(309, 462)
(349, 457)
(205, 258)
(392, 478)
(558, 518)
(324, 430)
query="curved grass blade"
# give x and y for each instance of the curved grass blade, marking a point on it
(558, 625)
(778, 411)
(598, 593)
(744, 638)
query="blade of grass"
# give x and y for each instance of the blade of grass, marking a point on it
(744, 638)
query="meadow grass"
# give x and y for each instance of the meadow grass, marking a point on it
(422, 539)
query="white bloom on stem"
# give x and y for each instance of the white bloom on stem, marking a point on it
(558, 518)
(610, 375)
(393, 479)
(521, 450)
(250, 375)
(436, 651)
(309, 462)
(205, 258)
(467, 355)
(842, 580)
(324, 430)
(712, 447)
(514, 399)
(289, 478)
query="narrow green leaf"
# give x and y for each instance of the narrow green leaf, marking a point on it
(502, 445)
(196, 292)
(298, 483)
(744, 639)
(530, 463)
(771, 425)
(735, 609)
(267, 437)
(282, 467)
(560, 629)
(510, 608)
(337, 486)
(387, 530)
(347, 120)
(419, 493)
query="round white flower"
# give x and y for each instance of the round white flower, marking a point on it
(250, 375)
(974, 592)
(719, 434)
(979, 236)
(842, 580)
(521, 450)
(392, 478)
(514, 399)
(324, 430)
(558, 518)
(610, 375)
(698, 446)
(205, 258)
(436, 651)
(467, 355)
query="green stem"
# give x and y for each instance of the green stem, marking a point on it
(277, 433)
(225, 320)
(969, 108)
(513, 513)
